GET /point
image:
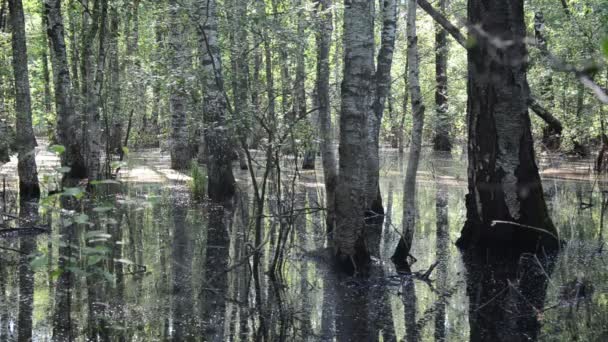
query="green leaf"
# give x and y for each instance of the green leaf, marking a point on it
(125, 150)
(97, 234)
(59, 149)
(105, 181)
(73, 192)
(56, 274)
(102, 209)
(39, 261)
(94, 259)
(64, 169)
(81, 218)
(124, 261)
(605, 46)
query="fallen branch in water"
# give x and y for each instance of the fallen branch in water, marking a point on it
(23, 231)
(540, 230)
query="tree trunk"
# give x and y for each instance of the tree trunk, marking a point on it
(409, 188)
(68, 123)
(443, 125)
(157, 86)
(180, 153)
(349, 236)
(382, 87)
(94, 24)
(299, 96)
(221, 183)
(328, 156)
(504, 183)
(29, 187)
(460, 39)
(240, 70)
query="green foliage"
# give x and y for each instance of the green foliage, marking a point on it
(198, 183)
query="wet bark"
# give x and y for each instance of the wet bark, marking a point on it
(382, 85)
(409, 188)
(349, 236)
(442, 140)
(504, 183)
(328, 156)
(29, 187)
(180, 152)
(221, 183)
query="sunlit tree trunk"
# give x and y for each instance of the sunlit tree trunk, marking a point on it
(180, 154)
(442, 141)
(504, 183)
(349, 236)
(26, 142)
(221, 183)
(382, 87)
(409, 188)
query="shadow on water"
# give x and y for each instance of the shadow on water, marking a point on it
(149, 264)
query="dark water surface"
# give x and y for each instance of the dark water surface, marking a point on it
(149, 264)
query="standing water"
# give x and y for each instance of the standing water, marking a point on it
(142, 261)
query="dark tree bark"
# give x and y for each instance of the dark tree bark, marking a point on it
(442, 140)
(349, 236)
(461, 40)
(68, 123)
(29, 187)
(504, 182)
(221, 183)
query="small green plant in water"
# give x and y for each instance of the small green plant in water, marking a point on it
(198, 183)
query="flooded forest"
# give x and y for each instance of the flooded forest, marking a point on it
(303, 170)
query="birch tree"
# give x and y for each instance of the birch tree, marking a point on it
(442, 140)
(417, 105)
(29, 187)
(381, 86)
(349, 236)
(324, 29)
